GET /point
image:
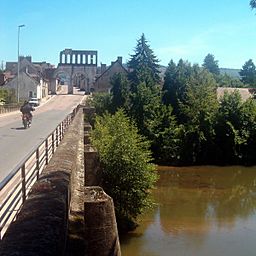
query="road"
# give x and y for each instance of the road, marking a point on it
(16, 142)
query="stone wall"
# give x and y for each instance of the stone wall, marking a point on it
(100, 223)
(100, 227)
(59, 201)
(42, 224)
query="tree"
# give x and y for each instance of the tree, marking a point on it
(167, 137)
(211, 64)
(145, 106)
(199, 110)
(175, 84)
(7, 96)
(253, 4)
(102, 102)
(128, 174)
(169, 90)
(228, 135)
(143, 64)
(145, 97)
(120, 92)
(248, 130)
(226, 80)
(248, 73)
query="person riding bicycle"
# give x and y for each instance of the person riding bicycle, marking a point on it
(26, 108)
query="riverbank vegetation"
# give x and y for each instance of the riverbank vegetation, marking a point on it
(181, 118)
(128, 172)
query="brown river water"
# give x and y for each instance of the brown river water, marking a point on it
(199, 211)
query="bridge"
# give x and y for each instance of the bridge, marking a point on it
(57, 186)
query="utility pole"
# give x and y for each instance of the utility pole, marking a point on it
(18, 77)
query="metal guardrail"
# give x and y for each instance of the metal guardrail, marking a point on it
(16, 186)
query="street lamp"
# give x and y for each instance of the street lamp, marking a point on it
(18, 78)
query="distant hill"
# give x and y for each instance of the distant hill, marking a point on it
(231, 72)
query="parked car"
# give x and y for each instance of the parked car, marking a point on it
(34, 102)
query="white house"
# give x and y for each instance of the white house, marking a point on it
(29, 86)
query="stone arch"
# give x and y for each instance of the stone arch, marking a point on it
(62, 77)
(80, 80)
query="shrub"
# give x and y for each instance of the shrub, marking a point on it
(128, 173)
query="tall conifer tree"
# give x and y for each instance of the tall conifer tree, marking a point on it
(248, 73)
(143, 64)
(211, 64)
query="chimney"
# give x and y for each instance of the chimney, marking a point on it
(29, 58)
(103, 68)
(119, 59)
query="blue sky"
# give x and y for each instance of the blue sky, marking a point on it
(175, 29)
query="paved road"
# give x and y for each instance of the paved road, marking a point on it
(16, 142)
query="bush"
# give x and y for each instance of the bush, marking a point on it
(128, 173)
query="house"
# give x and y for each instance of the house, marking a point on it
(29, 86)
(32, 80)
(102, 82)
(245, 93)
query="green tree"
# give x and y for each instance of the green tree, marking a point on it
(248, 131)
(7, 96)
(128, 174)
(145, 98)
(228, 135)
(248, 73)
(143, 64)
(227, 81)
(253, 4)
(169, 88)
(102, 102)
(167, 137)
(199, 110)
(175, 84)
(211, 64)
(145, 106)
(120, 92)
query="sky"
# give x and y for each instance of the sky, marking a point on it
(180, 29)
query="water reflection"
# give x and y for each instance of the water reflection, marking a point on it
(199, 211)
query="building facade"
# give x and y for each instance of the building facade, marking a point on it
(103, 81)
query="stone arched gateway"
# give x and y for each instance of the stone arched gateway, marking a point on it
(80, 66)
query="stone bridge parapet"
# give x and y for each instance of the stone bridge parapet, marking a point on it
(41, 226)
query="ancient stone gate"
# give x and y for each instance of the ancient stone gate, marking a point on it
(79, 68)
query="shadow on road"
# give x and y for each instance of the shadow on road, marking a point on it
(19, 128)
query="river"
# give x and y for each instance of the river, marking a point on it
(198, 211)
